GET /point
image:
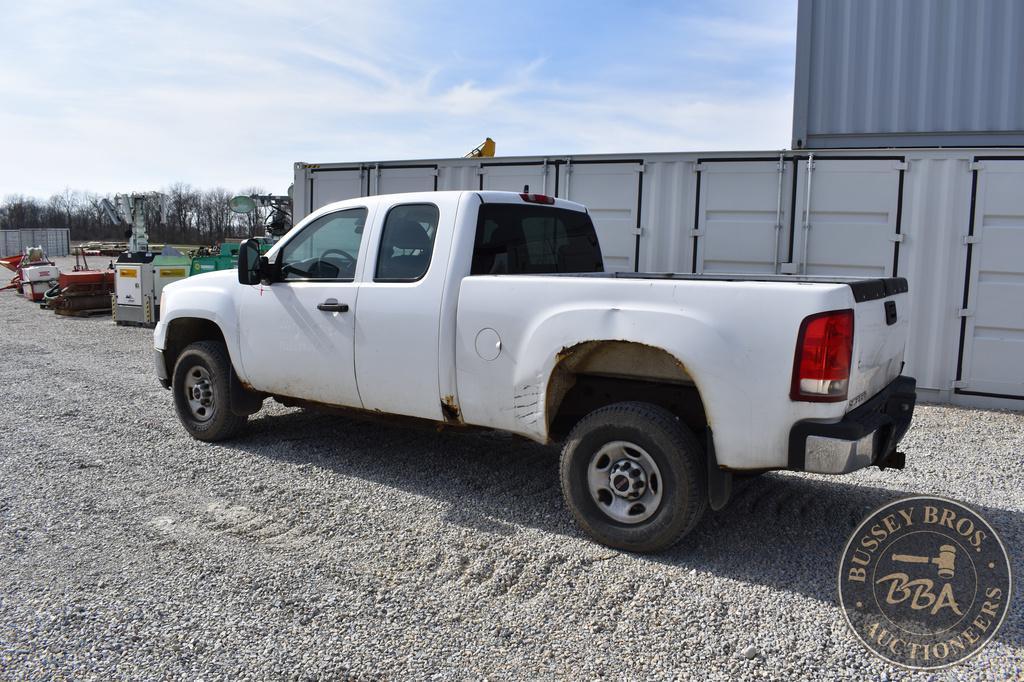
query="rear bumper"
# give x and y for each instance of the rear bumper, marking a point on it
(866, 436)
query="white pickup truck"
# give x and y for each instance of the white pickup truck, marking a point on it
(491, 309)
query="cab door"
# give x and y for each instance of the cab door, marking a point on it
(398, 331)
(297, 335)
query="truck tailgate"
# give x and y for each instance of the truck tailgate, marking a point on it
(881, 325)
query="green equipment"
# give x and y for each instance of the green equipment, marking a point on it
(227, 259)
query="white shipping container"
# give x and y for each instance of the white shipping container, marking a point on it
(950, 220)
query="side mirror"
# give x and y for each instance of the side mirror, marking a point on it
(249, 270)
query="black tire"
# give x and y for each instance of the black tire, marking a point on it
(208, 361)
(679, 459)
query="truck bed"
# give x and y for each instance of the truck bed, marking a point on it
(734, 335)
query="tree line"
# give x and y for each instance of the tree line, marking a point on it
(190, 215)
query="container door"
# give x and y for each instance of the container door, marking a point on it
(743, 216)
(397, 180)
(852, 230)
(328, 186)
(54, 243)
(611, 192)
(540, 178)
(992, 327)
(10, 243)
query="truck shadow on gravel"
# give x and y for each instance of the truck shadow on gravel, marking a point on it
(781, 531)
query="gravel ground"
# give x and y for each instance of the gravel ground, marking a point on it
(318, 547)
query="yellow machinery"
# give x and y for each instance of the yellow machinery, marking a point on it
(486, 148)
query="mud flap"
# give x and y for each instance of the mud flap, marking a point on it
(243, 401)
(719, 480)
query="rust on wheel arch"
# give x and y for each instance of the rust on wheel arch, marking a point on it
(612, 358)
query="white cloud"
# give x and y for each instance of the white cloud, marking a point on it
(102, 98)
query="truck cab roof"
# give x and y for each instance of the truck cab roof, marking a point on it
(486, 196)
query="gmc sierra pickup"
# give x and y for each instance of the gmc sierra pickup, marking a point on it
(491, 309)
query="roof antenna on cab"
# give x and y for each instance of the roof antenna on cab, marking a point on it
(526, 189)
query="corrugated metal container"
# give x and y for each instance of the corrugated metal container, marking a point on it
(56, 241)
(10, 242)
(909, 73)
(950, 220)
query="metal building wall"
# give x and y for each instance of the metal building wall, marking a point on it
(909, 73)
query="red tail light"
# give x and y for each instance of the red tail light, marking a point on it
(536, 198)
(821, 371)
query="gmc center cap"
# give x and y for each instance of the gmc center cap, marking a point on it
(924, 582)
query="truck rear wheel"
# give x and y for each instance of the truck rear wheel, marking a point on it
(633, 476)
(202, 392)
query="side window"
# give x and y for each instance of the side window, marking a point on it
(406, 243)
(327, 248)
(513, 239)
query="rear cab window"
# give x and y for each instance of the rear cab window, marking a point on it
(518, 239)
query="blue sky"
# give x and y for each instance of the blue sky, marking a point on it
(116, 96)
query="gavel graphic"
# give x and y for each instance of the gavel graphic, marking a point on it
(945, 561)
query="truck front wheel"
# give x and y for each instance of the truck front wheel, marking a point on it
(202, 392)
(633, 477)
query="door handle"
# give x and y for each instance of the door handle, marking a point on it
(331, 305)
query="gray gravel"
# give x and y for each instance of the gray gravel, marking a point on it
(318, 547)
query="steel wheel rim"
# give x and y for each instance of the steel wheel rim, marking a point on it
(625, 482)
(198, 388)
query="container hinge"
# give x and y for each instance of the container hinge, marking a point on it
(698, 167)
(637, 231)
(901, 165)
(959, 383)
(965, 312)
(970, 239)
(896, 237)
(696, 233)
(639, 167)
(976, 166)
(481, 170)
(435, 173)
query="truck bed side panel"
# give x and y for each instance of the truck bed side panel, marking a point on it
(736, 339)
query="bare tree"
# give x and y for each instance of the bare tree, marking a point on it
(193, 216)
